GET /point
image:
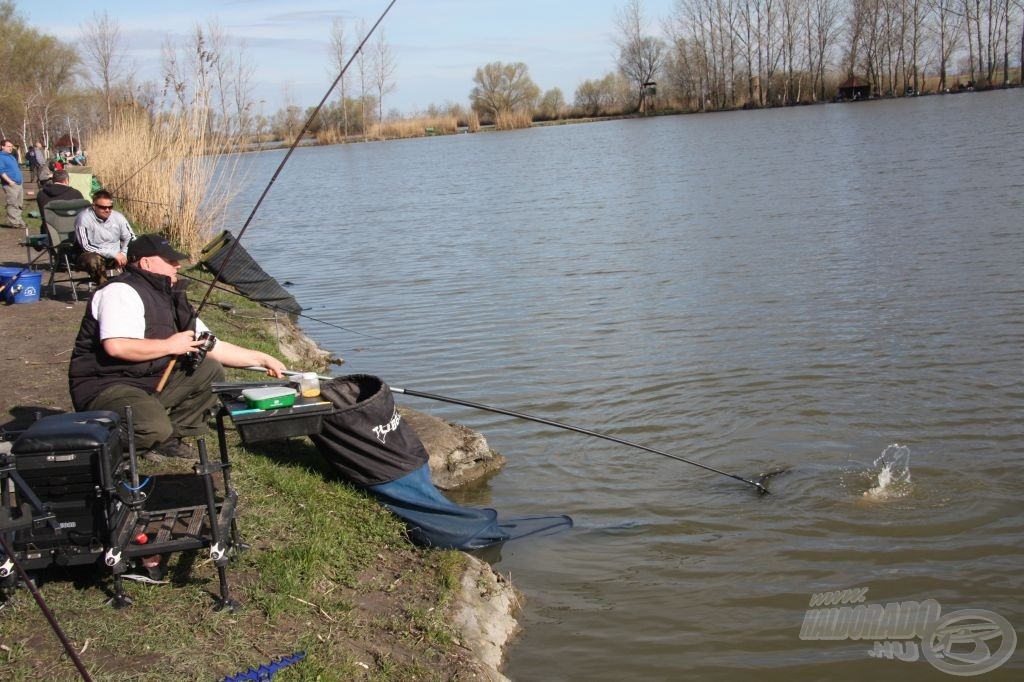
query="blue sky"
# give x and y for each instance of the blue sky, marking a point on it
(437, 44)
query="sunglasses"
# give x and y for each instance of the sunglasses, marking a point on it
(101, 207)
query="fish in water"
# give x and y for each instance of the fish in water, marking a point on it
(891, 473)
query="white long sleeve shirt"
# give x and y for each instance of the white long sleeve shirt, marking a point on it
(105, 237)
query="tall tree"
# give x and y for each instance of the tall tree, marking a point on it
(383, 71)
(641, 56)
(947, 28)
(242, 92)
(204, 78)
(822, 30)
(38, 71)
(339, 58)
(552, 104)
(363, 73)
(503, 88)
(106, 64)
(1020, 74)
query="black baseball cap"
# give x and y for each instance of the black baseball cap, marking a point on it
(153, 245)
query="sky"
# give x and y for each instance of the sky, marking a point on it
(437, 45)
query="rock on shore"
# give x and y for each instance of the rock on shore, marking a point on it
(458, 455)
(483, 613)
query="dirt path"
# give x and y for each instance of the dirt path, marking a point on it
(37, 340)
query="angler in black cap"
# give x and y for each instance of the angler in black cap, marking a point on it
(134, 327)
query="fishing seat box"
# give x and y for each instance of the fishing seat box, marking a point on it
(69, 461)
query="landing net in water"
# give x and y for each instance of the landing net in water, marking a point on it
(368, 443)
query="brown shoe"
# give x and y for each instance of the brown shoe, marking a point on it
(174, 447)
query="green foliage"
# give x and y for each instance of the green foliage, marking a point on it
(38, 70)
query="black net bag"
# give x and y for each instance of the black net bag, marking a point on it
(365, 439)
(367, 442)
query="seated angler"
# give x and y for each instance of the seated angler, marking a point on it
(134, 327)
(103, 234)
(59, 189)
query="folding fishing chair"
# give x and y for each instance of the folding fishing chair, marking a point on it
(63, 250)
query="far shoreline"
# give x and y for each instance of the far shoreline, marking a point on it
(310, 141)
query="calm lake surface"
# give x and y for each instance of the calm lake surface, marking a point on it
(802, 289)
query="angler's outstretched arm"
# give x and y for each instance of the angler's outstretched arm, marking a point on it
(230, 355)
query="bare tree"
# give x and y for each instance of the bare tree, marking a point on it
(552, 104)
(705, 36)
(1020, 75)
(503, 88)
(339, 58)
(222, 72)
(204, 78)
(106, 64)
(947, 27)
(641, 56)
(822, 31)
(383, 71)
(363, 71)
(242, 92)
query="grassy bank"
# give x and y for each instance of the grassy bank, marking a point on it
(329, 573)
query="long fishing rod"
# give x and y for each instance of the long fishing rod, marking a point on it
(17, 276)
(568, 427)
(50, 618)
(266, 190)
(291, 149)
(282, 310)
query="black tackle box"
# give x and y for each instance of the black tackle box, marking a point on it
(304, 418)
(69, 462)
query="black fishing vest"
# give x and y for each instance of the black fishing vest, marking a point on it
(167, 312)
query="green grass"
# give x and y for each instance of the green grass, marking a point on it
(330, 572)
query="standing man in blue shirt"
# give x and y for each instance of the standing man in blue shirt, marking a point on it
(10, 176)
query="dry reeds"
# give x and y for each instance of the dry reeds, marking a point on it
(330, 135)
(414, 127)
(510, 120)
(162, 173)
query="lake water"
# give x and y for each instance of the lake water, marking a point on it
(805, 289)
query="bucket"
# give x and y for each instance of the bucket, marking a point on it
(6, 275)
(24, 289)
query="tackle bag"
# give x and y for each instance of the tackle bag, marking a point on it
(367, 443)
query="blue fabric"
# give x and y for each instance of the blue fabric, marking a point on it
(9, 165)
(436, 521)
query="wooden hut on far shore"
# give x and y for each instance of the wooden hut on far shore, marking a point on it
(853, 88)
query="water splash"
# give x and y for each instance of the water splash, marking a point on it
(891, 473)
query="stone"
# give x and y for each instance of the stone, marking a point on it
(482, 612)
(458, 455)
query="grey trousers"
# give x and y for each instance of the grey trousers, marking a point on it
(181, 409)
(15, 196)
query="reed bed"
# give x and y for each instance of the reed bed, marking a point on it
(510, 120)
(163, 174)
(414, 127)
(330, 135)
